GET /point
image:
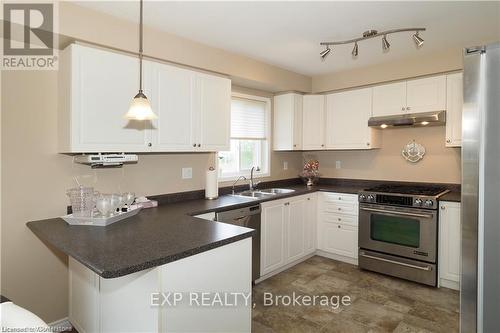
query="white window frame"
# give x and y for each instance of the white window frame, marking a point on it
(267, 157)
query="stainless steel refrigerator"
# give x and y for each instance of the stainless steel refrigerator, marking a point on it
(480, 266)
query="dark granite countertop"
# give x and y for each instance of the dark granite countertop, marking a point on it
(454, 196)
(170, 232)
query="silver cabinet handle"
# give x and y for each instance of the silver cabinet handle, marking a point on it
(403, 108)
(426, 268)
(448, 141)
(407, 108)
(396, 213)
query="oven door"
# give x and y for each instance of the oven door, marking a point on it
(400, 231)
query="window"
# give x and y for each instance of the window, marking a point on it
(250, 121)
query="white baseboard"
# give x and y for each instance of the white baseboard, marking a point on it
(449, 284)
(281, 269)
(61, 325)
(349, 260)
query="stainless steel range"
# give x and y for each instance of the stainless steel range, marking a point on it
(398, 226)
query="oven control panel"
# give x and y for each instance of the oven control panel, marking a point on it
(398, 200)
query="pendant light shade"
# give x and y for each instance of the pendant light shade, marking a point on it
(140, 108)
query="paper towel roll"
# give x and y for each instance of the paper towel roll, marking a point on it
(212, 184)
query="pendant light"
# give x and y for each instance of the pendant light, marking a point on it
(140, 108)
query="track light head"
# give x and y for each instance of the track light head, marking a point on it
(323, 54)
(385, 44)
(355, 50)
(418, 40)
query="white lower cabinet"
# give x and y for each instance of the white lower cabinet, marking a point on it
(132, 303)
(287, 232)
(449, 244)
(340, 239)
(338, 225)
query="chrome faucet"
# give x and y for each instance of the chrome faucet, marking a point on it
(234, 184)
(253, 184)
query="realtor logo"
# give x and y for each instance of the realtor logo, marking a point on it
(29, 36)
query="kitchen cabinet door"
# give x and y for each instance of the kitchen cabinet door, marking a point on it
(287, 129)
(340, 239)
(426, 95)
(449, 244)
(172, 101)
(454, 104)
(313, 124)
(311, 222)
(213, 112)
(296, 225)
(347, 120)
(389, 99)
(96, 88)
(274, 218)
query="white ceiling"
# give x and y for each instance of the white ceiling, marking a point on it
(287, 34)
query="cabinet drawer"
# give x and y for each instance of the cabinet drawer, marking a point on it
(340, 219)
(340, 208)
(340, 197)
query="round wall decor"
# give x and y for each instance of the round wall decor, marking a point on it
(413, 152)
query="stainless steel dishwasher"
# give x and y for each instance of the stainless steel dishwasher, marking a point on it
(248, 217)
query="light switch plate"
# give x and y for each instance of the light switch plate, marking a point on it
(338, 165)
(285, 165)
(187, 173)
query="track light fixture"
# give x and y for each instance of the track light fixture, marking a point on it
(323, 54)
(417, 39)
(385, 44)
(355, 50)
(372, 34)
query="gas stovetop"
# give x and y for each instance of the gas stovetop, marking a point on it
(408, 189)
(420, 196)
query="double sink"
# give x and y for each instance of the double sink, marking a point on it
(266, 193)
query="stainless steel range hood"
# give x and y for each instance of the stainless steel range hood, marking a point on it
(437, 118)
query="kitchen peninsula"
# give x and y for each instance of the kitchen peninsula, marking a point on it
(115, 272)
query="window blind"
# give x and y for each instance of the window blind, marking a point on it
(248, 119)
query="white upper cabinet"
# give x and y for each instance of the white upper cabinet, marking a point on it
(425, 95)
(347, 115)
(97, 86)
(389, 99)
(213, 100)
(95, 90)
(454, 103)
(288, 122)
(172, 101)
(313, 122)
(412, 96)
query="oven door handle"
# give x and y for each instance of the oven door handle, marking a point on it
(397, 213)
(426, 268)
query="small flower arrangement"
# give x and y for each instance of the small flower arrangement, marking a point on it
(310, 173)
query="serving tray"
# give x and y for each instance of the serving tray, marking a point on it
(100, 221)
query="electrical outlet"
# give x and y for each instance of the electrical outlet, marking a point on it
(187, 173)
(285, 165)
(338, 165)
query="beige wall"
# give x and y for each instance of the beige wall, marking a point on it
(87, 25)
(445, 61)
(35, 179)
(440, 164)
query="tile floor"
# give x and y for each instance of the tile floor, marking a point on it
(379, 303)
